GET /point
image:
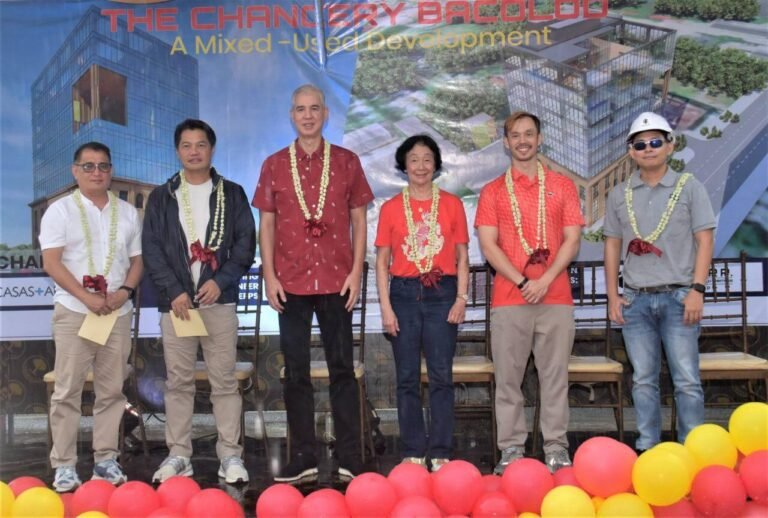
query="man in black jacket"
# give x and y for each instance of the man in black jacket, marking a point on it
(199, 239)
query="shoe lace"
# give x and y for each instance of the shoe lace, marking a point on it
(111, 467)
(65, 472)
(510, 453)
(177, 463)
(226, 462)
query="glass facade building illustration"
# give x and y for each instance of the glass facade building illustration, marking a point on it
(587, 87)
(122, 88)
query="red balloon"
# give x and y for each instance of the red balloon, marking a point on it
(457, 486)
(525, 482)
(491, 505)
(21, 484)
(683, 508)
(416, 506)
(754, 510)
(166, 512)
(603, 466)
(94, 495)
(754, 474)
(176, 492)
(66, 499)
(491, 483)
(565, 477)
(411, 480)
(278, 501)
(718, 491)
(201, 504)
(370, 495)
(132, 499)
(325, 503)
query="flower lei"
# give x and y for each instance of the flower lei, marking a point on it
(429, 276)
(205, 254)
(644, 245)
(540, 254)
(94, 281)
(314, 225)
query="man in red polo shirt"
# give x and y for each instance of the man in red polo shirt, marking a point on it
(529, 225)
(308, 195)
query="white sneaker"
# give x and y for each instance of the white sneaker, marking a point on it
(232, 470)
(172, 466)
(66, 479)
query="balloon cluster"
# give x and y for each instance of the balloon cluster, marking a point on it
(177, 497)
(717, 472)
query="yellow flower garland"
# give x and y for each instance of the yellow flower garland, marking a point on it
(411, 239)
(653, 236)
(541, 221)
(217, 232)
(77, 197)
(324, 180)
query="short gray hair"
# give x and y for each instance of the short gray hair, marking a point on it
(306, 89)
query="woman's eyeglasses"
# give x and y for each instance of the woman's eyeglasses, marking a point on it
(640, 145)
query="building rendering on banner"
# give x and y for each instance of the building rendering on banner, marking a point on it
(587, 88)
(122, 88)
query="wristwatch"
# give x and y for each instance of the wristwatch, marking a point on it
(463, 296)
(131, 291)
(697, 286)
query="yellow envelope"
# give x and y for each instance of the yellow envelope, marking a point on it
(97, 328)
(192, 327)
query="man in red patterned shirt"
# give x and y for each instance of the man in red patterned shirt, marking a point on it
(529, 224)
(308, 195)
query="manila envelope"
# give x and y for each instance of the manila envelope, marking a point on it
(192, 327)
(97, 328)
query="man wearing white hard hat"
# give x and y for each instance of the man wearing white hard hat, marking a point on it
(661, 224)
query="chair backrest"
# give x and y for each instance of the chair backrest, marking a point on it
(249, 308)
(590, 302)
(476, 328)
(725, 302)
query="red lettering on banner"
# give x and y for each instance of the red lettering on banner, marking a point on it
(430, 13)
(196, 23)
(479, 18)
(519, 15)
(161, 19)
(113, 15)
(365, 13)
(458, 10)
(338, 14)
(291, 19)
(237, 17)
(392, 13)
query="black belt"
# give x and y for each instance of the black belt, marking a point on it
(664, 288)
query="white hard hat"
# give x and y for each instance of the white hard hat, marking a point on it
(648, 121)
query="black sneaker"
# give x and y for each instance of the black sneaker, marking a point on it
(303, 468)
(349, 469)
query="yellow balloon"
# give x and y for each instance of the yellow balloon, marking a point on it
(597, 501)
(660, 477)
(567, 501)
(92, 514)
(37, 502)
(622, 505)
(682, 452)
(528, 515)
(6, 500)
(748, 426)
(711, 444)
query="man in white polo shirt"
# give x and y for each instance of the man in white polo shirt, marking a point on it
(91, 243)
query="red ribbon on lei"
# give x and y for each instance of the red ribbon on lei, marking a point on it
(95, 282)
(639, 247)
(538, 256)
(432, 278)
(204, 255)
(315, 227)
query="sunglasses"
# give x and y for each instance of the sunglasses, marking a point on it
(89, 167)
(640, 145)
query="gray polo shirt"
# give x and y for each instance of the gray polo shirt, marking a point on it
(692, 213)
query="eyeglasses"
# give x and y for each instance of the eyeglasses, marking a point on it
(640, 145)
(89, 167)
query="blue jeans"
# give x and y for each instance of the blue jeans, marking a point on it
(422, 315)
(650, 320)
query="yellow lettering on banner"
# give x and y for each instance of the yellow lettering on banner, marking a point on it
(178, 46)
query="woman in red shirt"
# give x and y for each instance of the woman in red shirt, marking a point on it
(422, 270)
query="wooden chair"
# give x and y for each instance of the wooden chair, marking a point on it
(49, 378)
(473, 362)
(319, 369)
(725, 322)
(245, 371)
(592, 359)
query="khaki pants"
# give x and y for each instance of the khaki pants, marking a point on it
(74, 358)
(219, 352)
(548, 331)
